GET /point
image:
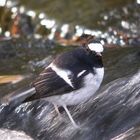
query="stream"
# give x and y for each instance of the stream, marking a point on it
(113, 112)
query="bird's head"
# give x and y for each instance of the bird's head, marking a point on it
(92, 45)
(95, 47)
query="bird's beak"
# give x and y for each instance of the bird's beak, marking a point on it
(98, 54)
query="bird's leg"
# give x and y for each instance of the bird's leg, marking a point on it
(70, 117)
(57, 110)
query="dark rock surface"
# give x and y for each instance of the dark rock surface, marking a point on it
(112, 113)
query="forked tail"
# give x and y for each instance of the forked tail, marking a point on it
(17, 97)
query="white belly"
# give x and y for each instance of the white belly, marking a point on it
(91, 85)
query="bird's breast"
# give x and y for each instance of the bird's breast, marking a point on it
(91, 84)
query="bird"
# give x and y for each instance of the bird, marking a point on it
(72, 78)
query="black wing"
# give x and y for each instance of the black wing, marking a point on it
(49, 83)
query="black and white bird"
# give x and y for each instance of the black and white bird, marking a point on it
(72, 78)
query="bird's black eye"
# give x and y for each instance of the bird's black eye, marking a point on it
(93, 52)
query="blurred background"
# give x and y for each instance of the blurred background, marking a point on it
(33, 32)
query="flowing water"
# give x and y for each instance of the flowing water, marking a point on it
(113, 113)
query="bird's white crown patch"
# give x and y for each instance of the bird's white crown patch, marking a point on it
(97, 47)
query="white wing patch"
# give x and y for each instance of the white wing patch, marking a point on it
(80, 73)
(63, 73)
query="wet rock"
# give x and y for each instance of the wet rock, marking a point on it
(13, 135)
(111, 113)
(16, 53)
